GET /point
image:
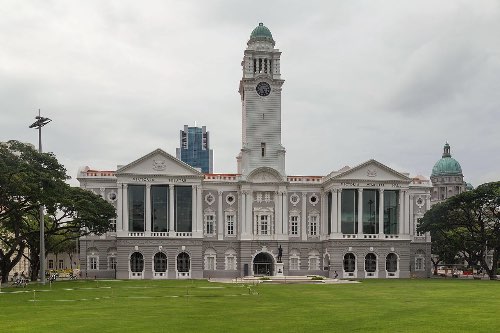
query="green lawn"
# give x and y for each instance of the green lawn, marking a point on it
(430, 305)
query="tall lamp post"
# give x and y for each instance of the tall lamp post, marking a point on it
(38, 124)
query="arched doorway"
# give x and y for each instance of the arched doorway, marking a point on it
(263, 264)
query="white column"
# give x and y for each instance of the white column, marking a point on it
(220, 218)
(241, 214)
(407, 213)
(338, 208)
(412, 220)
(249, 212)
(285, 211)
(148, 208)
(103, 191)
(194, 224)
(119, 208)
(381, 212)
(324, 214)
(304, 216)
(401, 213)
(171, 204)
(277, 213)
(333, 213)
(125, 207)
(199, 215)
(360, 211)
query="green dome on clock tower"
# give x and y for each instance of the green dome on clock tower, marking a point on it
(446, 166)
(262, 32)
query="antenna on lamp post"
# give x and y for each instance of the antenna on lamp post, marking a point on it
(38, 124)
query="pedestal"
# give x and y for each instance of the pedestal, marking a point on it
(279, 269)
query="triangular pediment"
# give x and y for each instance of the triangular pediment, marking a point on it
(265, 175)
(372, 171)
(158, 162)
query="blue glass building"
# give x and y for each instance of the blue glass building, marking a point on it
(195, 148)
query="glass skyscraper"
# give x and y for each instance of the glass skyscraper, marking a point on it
(195, 148)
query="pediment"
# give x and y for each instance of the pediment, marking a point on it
(158, 162)
(372, 171)
(265, 175)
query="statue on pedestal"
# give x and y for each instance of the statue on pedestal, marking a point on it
(280, 253)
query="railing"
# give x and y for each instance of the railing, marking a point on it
(136, 234)
(159, 234)
(391, 236)
(183, 234)
(135, 275)
(184, 275)
(349, 236)
(370, 236)
(160, 275)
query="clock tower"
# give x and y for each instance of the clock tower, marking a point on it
(260, 91)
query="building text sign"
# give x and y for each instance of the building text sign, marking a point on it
(152, 180)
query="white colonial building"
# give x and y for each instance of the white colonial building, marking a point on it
(176, 222)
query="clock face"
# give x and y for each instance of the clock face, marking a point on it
(263, 89)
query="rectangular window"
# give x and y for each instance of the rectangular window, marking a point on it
(112, 225)
(349, 214)
(294, 264)
(159, 208)
(294, 225)
(183, 208)
(231, 263)
(112, 263)
(210, 224)
(136, 207)
(230, 225)
(264, 224)
(51, 264)
(313, 225)
(391, 212)
(370, 211)
(419, 264)
(313, 264)
(416, 228)
(60, 264)
(93, 263)
(210, 264)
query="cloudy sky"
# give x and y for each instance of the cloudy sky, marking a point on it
(389, 80)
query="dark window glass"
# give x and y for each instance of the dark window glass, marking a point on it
(391, 262)
(183, 208)
(136, 262)
(370, 262)
(183, 262)
(349, 216)
(349, 262)
(330, 212)
(136, 207)
(390, 212)
(160, 262)
(159, 208)
(370, 211)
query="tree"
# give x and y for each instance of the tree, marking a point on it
(468, 224)
(29, 179)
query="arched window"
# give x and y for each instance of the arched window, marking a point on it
(391, 262)
(183, 262)
(370, 262)
(294, 260)
(349, 262)
(210, 259)
(420, 260)
(136, 262)
(230, 260)
(313, 260)
(160, 262)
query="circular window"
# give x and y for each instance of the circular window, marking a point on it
(420, 202)
(230, 199)
(112, 196)
(294, 199)
(313, 199)
(209, 198)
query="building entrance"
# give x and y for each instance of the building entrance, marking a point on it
(263, 264)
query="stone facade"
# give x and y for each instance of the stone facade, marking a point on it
(176, 222)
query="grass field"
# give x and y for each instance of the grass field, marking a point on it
(430, 305)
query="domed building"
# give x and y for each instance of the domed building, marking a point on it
(447, 177)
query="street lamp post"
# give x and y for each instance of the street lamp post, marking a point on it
(38, 124)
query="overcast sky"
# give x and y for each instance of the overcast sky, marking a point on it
(389, 80)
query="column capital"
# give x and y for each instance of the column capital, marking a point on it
(171, 185)
(124, 185)
(148, 186)
(381, 190)
(304, 195)
(360, 189)
(220, 193)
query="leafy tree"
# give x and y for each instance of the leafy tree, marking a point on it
(468, 224)
(29, 179)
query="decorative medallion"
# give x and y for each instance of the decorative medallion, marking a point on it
(209, 198)
(112, 196)
(230, 199)
(294, 199)
(159, 165)
(371, 173)
(313, 199)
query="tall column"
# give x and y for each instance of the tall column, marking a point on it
(119, 208)
(148, 208)
(171, 205)
(285, 211)
(304, 216)
(360, 211)
(401, 212)
(381, 212)
(241, 214)
(103, 191)
(125, 207)
(194, 219)
(249, 212)
(338, 208)
(324, 214)
(412, 220)
(220, 218)
(277, 213)
(333, 212)
(199, 215)
(407, 213)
